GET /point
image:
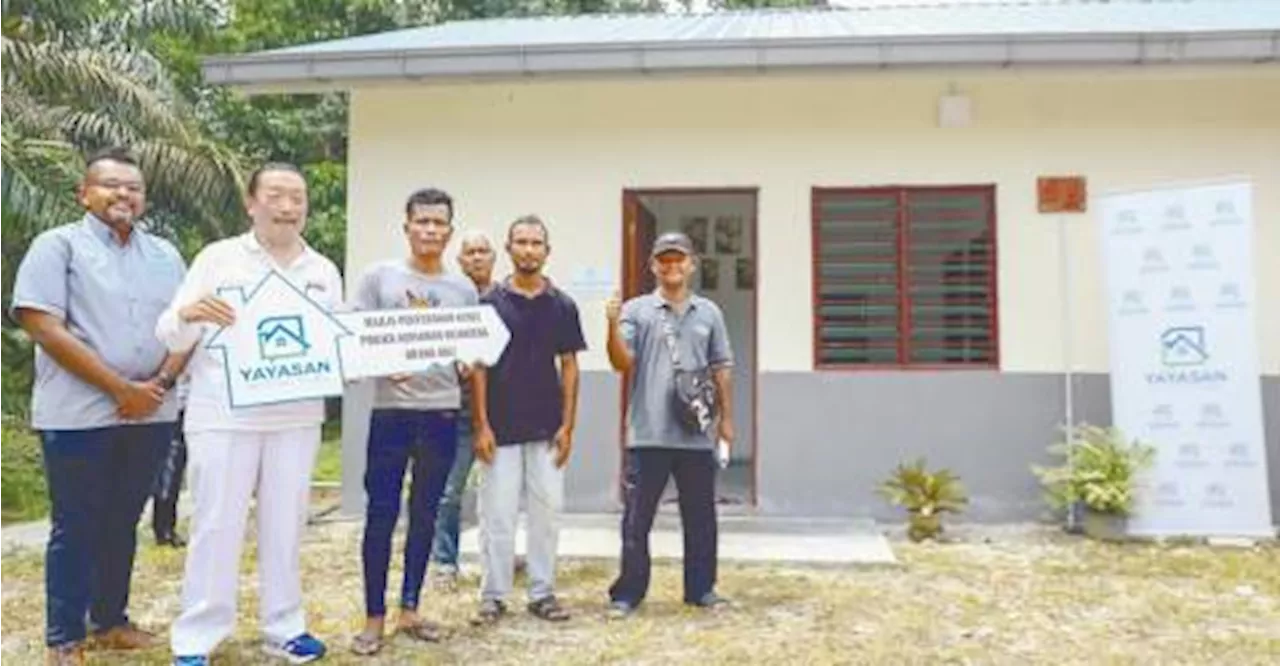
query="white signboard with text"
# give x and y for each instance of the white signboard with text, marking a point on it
(1184, 356)
(285, 347)
(388, 342)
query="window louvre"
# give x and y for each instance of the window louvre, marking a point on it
(904, 277)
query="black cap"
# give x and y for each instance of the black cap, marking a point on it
(672, 241)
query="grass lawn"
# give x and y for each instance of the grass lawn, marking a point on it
(24, 494)
(993, 597)
(328, 467)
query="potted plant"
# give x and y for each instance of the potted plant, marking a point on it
(925, 495)
(1097, 476)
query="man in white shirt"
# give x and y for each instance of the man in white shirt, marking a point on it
(265, 450)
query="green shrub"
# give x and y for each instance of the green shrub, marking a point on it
(22, 488)
(925, 495)
(19, 355)
(1102, 472)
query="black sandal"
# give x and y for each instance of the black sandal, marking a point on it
(549, 609)
(489, 613)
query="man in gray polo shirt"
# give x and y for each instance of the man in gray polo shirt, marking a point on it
(643, 333)
(89, 294)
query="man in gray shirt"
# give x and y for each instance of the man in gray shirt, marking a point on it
(414, 420)
(656, 337)
(89, 294)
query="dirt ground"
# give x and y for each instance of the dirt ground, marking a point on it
(1021, 595)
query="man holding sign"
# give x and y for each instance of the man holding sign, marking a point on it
(235, 453)
(414, 420)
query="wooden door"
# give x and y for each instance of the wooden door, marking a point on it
(640, 228)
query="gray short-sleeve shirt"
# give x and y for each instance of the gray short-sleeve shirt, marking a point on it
(109, 295)
(702, 342)
(393, 285)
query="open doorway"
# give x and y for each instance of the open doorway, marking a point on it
(722, 225)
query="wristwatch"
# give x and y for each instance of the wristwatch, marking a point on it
(165, 379)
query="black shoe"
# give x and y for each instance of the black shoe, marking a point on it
(620, 610)
(710, 601)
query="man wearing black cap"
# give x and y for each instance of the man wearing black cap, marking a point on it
(676, 348)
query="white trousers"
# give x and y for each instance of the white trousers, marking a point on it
(225, 469)
(528, 469)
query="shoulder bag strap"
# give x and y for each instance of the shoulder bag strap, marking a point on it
(669, 334)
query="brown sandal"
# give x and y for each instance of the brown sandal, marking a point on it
(423, 630)
(366, 645)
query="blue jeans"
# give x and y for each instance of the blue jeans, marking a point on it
(396, 436)
(99, 480)
(448, 523)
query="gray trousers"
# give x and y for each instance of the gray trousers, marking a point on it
(527, 469)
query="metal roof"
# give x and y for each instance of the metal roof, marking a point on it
(906, 33)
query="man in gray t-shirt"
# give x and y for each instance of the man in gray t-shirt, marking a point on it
(414, 421)
(651, 337)
(396, 284)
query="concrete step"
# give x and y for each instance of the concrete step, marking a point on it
(741, 539)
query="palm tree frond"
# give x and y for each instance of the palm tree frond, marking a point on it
(198, 182)
(39, 178)
(67, 96)
(119, 81)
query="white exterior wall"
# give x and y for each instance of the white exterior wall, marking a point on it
(566, 149)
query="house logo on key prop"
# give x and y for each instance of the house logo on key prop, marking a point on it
(284, 346)
(282, 337)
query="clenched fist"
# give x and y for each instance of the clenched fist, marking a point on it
(613, 308)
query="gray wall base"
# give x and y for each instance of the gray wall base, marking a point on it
(828, 438)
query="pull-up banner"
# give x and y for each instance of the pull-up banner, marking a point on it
(1184, 355)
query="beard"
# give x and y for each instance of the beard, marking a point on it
(118, 212)
(528, 267)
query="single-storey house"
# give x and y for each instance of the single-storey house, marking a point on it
(863, 183)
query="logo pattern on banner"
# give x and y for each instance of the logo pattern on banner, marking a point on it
(1183, 346)
(1180, 300)
(1184, 356)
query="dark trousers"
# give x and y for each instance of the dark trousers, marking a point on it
(646, 476)
(428, 439)
(164, 496)
(98, 481)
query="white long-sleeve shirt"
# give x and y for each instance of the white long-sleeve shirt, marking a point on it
(240, 262)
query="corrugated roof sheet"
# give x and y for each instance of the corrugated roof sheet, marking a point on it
(908, 19)
(993, 34)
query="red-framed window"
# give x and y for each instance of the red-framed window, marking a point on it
(905, 277)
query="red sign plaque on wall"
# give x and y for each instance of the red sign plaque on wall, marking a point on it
(1061, 194)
